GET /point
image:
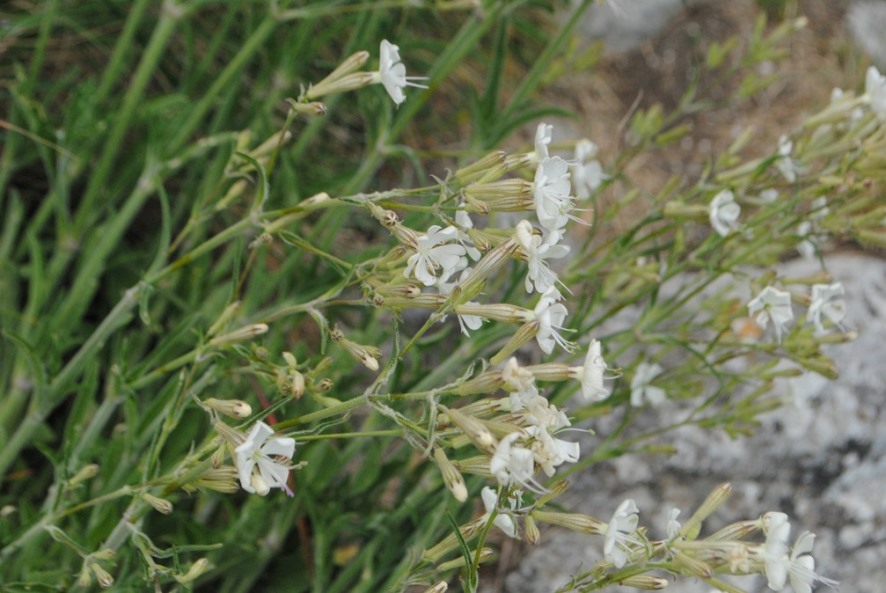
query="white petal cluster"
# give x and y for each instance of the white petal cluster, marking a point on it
(513, 465)
(587, 173)
(772, 305)
(540, 277)
(590, 374)
(642, 389)
(618, 543)
(788, 166)
(550, 315)
(392, 73)
(551, 192)
(827, 301)
(437, 256)
(724, 213)
(257, 467)
(503, 519)
(780, 566)
(875, 90)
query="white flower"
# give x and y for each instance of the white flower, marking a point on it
(785, 163)
(466, 323)
(775, 549)
(875, 89)
(769, 196)
(673, 525)
(550, 316)
(544, 133)
(642, 389)
(551, 452)
(434, 253)
(463, 220)
(806, 247)
(502, 520)
(624, 522)
(827, 300)
(512, 464)
(519, 383)
(392, 73)
(724, 212)
(772, 305)
(551, 193)
(591, 374)
(257, 470)
(540, 277)
(801, 565)
(587, 173)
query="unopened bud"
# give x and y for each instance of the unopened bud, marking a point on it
(521, 337)
(104, 554)
(346, 83)
(533, 535)
(313, 108)
(644, 581)
(233, 437)
(480, 168)
(693, 565)
(273, 142)
(473, 429)
(240, 335)
(496, 312)
(488, 266)
(219, 479)
(233, 408)
(451, 476)
(487, 382)
(224, 318)
(574, 521)
(735, 531)
(160, 505)
(194, 572)
(87, 472)
(450, 542)
(440, 587)
(103, 577)
(350, 64)
(486, 554)
(366, 355)
(84, 579)
(714, 501)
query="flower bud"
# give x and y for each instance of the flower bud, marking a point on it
(196, 570)
(440, 587)
(574, 521)
(240, 335)
(521, 337)
(87, 472)
(644, 581)
(496, 312)
(233, 408)
(451, 476)
(350, 64)
(366, 355)
(220, 479)
(473, 429)
(450, 542)
(479, 168)
(274, 141)
(233, 437)
(160, 505)
(715, 500)
(487, 382)
(533, 535)
(224, 318)
(346, 83)
(314, 108)
(103, 577)
(486, 554)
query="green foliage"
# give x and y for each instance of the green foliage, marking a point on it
(183, 223)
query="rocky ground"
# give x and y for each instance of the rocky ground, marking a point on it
(822, 457)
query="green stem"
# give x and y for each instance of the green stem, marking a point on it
(134, 97)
